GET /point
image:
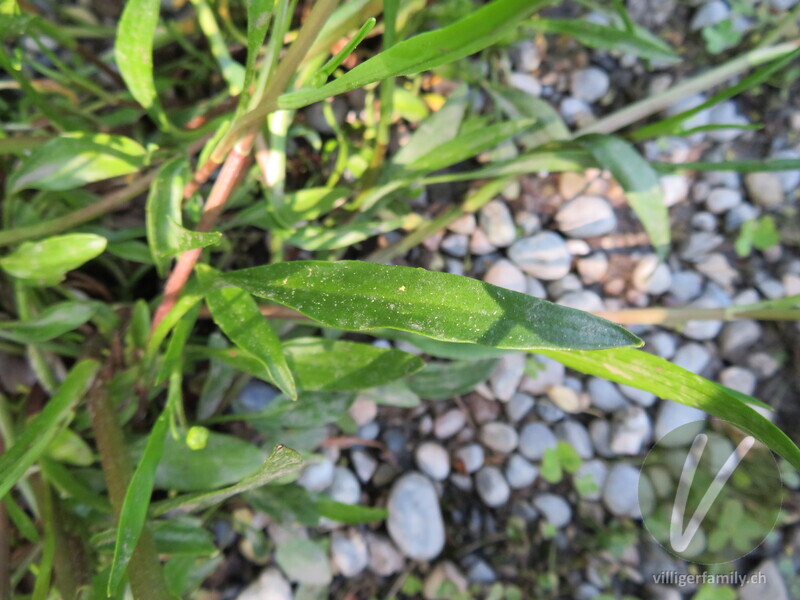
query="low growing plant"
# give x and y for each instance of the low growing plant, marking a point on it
(142, 330)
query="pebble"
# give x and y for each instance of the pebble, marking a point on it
(790, 180)
(764, 365)
(548, 411)
(519, 472)
(739, 379)
(433, 460)
(651, 275)
(704, 329)
(585, 300)
(449, 423)
(543, 255)
(589, 84)
(641, 397)
(349, 554)
(721, 200)
(549, 372)
(481, 572)
(519, 406)
(568, 399)
(505, 274)
(462, 482)
(738, 337)
(345, 487)
(507, 375)
(554, 509)
(455, 244)
(526, 83)
(568, 283)
(499, 437)
(465, 224)
(727, 113)
(593, 268)
(364, 464)
(620, 492)
(686, 285)
(598, 471)
(483, 410)
(672, 415)
(491, 486)
(699, 244)
(363, 411)
(662, 344)
(605, 395)
(766, 581)
(717, 268)
(575, 111)
(384, 558)
(471, 457)
(526, 56)
(738, 215)
(704, 221)
(270, 585)
(534, 439)
(675, 189)
(630, 431)
(536, 289)
(693, 357)
(600, 432)
(479, 244)
(441, 573)
(317, 476)
(586, 216)
(577, 436)
(497, 223)
(415, 519)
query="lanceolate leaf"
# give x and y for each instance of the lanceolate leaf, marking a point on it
(133, 53)
(137, 499)
(283, 461)
(46, 262)
(54, 321)
(237, 314)
(74, 159)
(361, 296)
(38, 433)
(337, 365)
(471, 34)
(440, 381)
(640, 182)
(517, 104)
(654, 374)
(165, 234)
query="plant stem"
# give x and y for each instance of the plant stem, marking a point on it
(644, 108)
(5, 546)
(144, 569)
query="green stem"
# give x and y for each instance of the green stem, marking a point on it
(649, 106)
(5, 547)
(144, 569)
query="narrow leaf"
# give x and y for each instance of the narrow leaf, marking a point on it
(316, 238)
(283, 461)
(352, 514)
(469, 35)
(550, 127)
(165, 233)
(47, 261)
(54, 321)
(670, 382)
(360, 296)
(441, 381)
(133, 53)
(74, 159)
(57, 414)
(640, 182)
(137, 500)
(338, 365)
(258, 18)
(238, 316)
(740, 166)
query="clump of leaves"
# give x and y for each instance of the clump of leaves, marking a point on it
(760, 233)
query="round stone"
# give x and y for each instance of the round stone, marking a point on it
(447, 424)
(543, 255)
(499, 437)
(345, 487)
(630, 431)
(519, 406)
(605, 395)
(471, 457)
(672, 415)
(433, 460)
(593, 268)
(317, 476)
(596, 471)
(415, 519)
(739, 379)
(586, 216)
(492, 487)
(519, 472)
(497, 223)
(554, 509)
(505, 274)
(270, 585)
(721, 200)
(589, 84)
(576, 435)
(534, 439)
(651, 275)
(349, 555)
(384, 558)
(620, 492)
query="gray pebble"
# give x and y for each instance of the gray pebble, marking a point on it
(630, 431)
(554, 509)
(492, 487)
(349, 555)
(549, 372)
(481, 572)
(686, 285)
(672, 415)
(415, 519)
(534, 439)
(270, 585)
(600, 432)
(651, 275)
(317, 476)
(543, 255)
(597, 470)
(471, 457)
(620, 492)
(384, 558)
(662, 344)
(641, 397)
(577, 436)
(575, 111)
(605, 395)
(506, 376)
(721, 200)
(593, 268)
(455, 244)
(364, 464)
(548, 411)
(585, 300)
(589, 84)
(433, 460)
(738, 337)
(739, 379)
(499, 437)
(345, 487)
(693, 357)
(505, 274)
(497, 223)
(586, 216)
(449, 423)
(519, 472)
(519, 406)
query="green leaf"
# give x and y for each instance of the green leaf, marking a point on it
(68, 447)
(409, 105)
(654, 374)
(224, 460)
(468, 145)
(361, 296)
(473, 33)
(441, 381)
(396, 393)
(238, 316)
(740, 166)
(74, 159)
(47, 261)
(283, 461)
(550, 127)
(165, 232)
(605, 37)
(133, 53)
(454, 351)
(337, 365)
(301, 205)
(54, 321)
(258, 18)
(551, 466)
(442, 126)
(177, 537)
(640, 182)
(56, 415)
(568, 457)
(133, 515)
(316, 238)
(352, 514)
